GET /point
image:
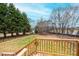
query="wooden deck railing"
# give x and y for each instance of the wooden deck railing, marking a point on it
(58, 47)
(52, 47)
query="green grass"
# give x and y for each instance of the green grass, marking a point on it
(16, 44)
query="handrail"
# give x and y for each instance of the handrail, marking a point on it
(23, 52)
(8, 53)
(57, 39)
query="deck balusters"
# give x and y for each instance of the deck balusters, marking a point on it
(55, 47)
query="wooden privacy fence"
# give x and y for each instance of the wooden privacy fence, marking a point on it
(52, 47)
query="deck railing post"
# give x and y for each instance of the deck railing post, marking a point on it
(77, 48)
(36, 44)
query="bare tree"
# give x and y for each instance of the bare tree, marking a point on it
(64, 18)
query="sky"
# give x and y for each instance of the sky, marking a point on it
(35, 11)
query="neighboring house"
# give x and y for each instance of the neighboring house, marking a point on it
(76, 31)
(43, 27)
(71, 31)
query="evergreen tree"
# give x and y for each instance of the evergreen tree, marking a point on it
(26, 25)
(3, 18)
(11, 18)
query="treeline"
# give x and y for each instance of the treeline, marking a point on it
(61, 21)
(12, 20)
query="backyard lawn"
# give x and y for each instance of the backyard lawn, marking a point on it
(16, 43)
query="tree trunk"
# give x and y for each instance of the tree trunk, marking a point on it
(17, 33)
(23, 32)
(4, 35)
(12, 34)
(62, 29)
(67, 31)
